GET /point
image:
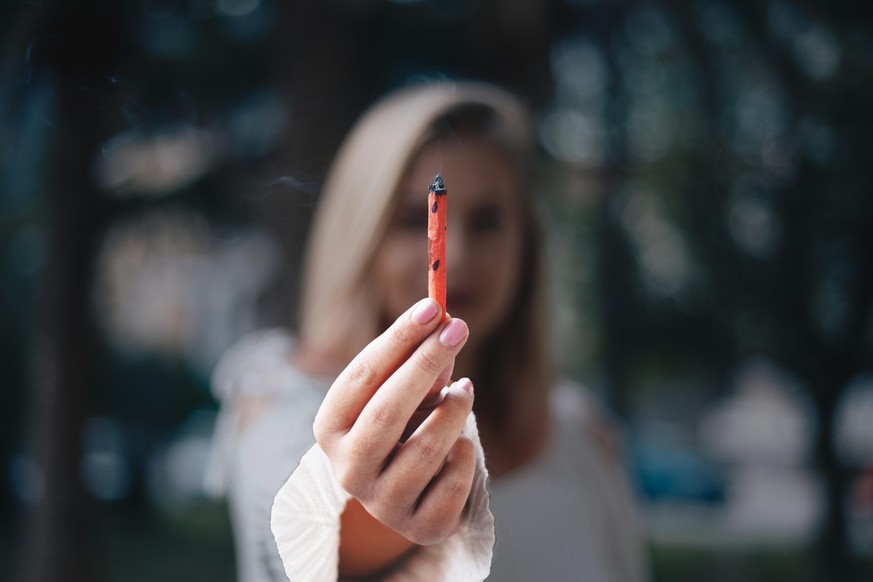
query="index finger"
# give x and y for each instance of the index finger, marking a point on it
(357, 383)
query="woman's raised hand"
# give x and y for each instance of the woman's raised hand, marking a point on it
(393, 432)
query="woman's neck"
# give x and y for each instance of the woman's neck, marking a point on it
(314, 363)
(465, 364)
(504, 456)
(503, 453)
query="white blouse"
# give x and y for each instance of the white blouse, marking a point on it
(565, 516)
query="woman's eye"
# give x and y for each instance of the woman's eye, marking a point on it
(412, 219)
(487, 219)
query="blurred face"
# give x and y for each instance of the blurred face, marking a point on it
(483, 239)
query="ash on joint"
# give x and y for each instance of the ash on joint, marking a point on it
(438, 186)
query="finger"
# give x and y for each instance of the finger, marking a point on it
(441, 508)
(382, 421)
(356, 384)
(434, 394)
(431, 400)
(415, 463)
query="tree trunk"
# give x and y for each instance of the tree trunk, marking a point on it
(59, 536)
(516, 43)
(74, 59)
(835, 560)
(316, 83)
(615, 268)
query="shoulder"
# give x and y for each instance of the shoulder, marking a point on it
(255, 362)
(596, 435)
(579, 410)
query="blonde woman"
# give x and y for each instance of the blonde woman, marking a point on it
(389, 474)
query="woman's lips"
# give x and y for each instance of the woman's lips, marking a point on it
(459, 300)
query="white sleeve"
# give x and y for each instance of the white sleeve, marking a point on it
(263, 429)
(266, 453)
(306, 525)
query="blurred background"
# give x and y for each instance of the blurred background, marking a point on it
(707, 187)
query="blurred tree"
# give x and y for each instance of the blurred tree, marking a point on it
(770, 199)
(73, 53)
(515, 41)
(808, 302)
(315, 79)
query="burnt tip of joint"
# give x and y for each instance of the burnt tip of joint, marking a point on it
(438, 185)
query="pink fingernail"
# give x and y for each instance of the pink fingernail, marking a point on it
(424, 311)
(466, 385)
(453, 333)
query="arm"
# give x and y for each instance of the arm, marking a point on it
(367, 545)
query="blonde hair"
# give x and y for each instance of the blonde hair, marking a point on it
(340, 311)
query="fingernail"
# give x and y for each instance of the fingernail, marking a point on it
(424, 311)
(453, 333)
(466, 385)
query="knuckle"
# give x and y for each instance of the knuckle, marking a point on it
(442, 517)
(463, 455)
(362, 373)
(355, 482)
(383, 414)
(390, 507)
(320, 430)
(349, 479)
(350, 473)
(357, 453)
(400, 335)
(430, 362)
(465, 449)
(431, 529)
(457, 489)
(429, 452)
(352, 451)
